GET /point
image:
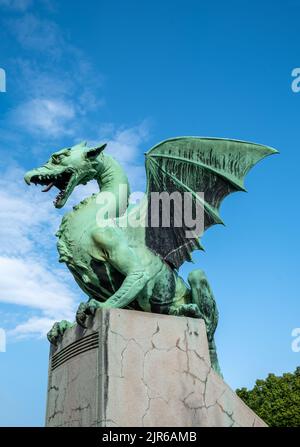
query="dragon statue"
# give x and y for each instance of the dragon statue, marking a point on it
(136, 266)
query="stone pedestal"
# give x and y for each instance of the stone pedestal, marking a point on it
(134, 369)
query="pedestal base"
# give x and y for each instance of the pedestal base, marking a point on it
(134, 369)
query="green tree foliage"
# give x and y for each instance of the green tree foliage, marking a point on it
(276, 399)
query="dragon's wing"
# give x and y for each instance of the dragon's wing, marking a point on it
(215, 167)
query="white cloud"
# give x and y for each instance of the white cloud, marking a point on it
(43, 81)
(49, 117)
(23, 229)
(33, 327)
(27, 282)
(125, 143)
(57, 97)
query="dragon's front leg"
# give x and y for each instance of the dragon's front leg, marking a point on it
(113, 244)
(131, 287)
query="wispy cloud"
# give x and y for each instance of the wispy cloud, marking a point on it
(16, 5)
(27, 282)
(33, 327)
(36, 34)
(45, 116)
(55, 98)
(23, 229)
(125, 142)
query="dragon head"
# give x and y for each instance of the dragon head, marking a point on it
(66, 169)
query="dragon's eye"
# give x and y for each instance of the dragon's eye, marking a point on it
(57, 158)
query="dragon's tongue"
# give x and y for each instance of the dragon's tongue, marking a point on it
(48, 187)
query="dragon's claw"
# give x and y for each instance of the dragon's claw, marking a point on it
(57, 331)
(86, 309)
(81, 314)
(188, 310)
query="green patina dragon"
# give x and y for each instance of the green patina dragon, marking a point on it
(122, 265)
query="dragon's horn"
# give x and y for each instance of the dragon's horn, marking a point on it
(95, 151)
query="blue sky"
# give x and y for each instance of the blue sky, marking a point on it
(134, 73)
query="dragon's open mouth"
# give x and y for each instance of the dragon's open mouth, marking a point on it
(62, 182)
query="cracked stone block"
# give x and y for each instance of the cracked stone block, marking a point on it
(135, 369)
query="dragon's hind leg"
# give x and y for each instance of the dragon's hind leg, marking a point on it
(202, 305)
(201, 294)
